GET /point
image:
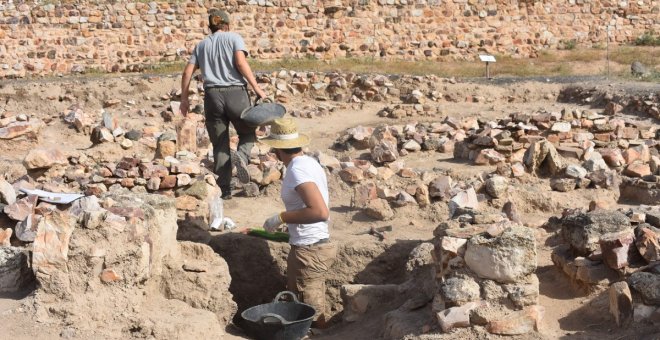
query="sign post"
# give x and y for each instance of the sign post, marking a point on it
(487, 59)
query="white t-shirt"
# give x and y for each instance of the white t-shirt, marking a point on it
(304, 169)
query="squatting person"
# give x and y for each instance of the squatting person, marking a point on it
(305, 196)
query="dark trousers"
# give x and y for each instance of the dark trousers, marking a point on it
(222, 106)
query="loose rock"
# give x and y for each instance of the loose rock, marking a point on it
(621, 306)
(647, 285)
(505, 258)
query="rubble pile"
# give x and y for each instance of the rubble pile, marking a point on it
(617, 249)
(477, 271)
(173, 163)
(486, 275)
(351, 87)
(311, 111)
(408, 110)
(406, 95)
(595, 141)
(182, 176)
(181, 157)
(614, 102)
(609, 153)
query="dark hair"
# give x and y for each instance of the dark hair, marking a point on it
(218, 19)
(292, 151)
(215, 28)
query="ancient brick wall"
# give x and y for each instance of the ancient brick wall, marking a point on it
(59, 37)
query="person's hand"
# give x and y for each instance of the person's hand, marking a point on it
(273, 222)
(260, 94)
(183, 107)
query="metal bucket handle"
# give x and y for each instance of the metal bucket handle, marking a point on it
(272, 319)
(262, 100)
(257, 103)
(286, 292)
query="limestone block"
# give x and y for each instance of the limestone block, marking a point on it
(505, 258)
(379, 209)
(44, 158)
(7, 192)
(496, 186)
(457, 291)
(50, 253)
(621, 306)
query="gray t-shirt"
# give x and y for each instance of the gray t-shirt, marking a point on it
(215, 57)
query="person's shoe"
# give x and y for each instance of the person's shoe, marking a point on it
(320, 323)
(241, 168)
(226, 194)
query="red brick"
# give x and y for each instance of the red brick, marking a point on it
(637, 170)
(615, 247)
(168, 182)
(603, 137)
(629, 133)
(631, 155)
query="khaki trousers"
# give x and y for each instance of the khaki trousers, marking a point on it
(307, 267)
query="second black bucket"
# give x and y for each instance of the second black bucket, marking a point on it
(278, 320)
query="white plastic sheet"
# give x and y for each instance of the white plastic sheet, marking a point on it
(53, 197)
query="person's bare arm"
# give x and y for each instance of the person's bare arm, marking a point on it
(185, 84)
(243, 67)
(316, 210)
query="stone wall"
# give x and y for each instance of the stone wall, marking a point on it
(69, 36)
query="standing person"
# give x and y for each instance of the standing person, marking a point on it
(305, 196)
(226, 72)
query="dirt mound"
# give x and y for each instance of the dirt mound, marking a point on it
(118, 271)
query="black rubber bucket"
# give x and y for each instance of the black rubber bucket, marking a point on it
(263, 113)
(278, 320)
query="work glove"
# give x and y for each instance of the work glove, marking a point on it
(273, 222)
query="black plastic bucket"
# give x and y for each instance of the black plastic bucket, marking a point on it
(278, 320)
(263, 113)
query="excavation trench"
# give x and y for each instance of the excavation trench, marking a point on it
(258, 268)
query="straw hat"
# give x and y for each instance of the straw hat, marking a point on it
(284, 135)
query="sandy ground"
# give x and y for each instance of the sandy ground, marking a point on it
(563, 303)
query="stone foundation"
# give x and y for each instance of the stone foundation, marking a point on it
(80, 36)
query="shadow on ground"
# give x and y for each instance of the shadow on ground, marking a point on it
(593, 321)
(258, 271)
(256, 267)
